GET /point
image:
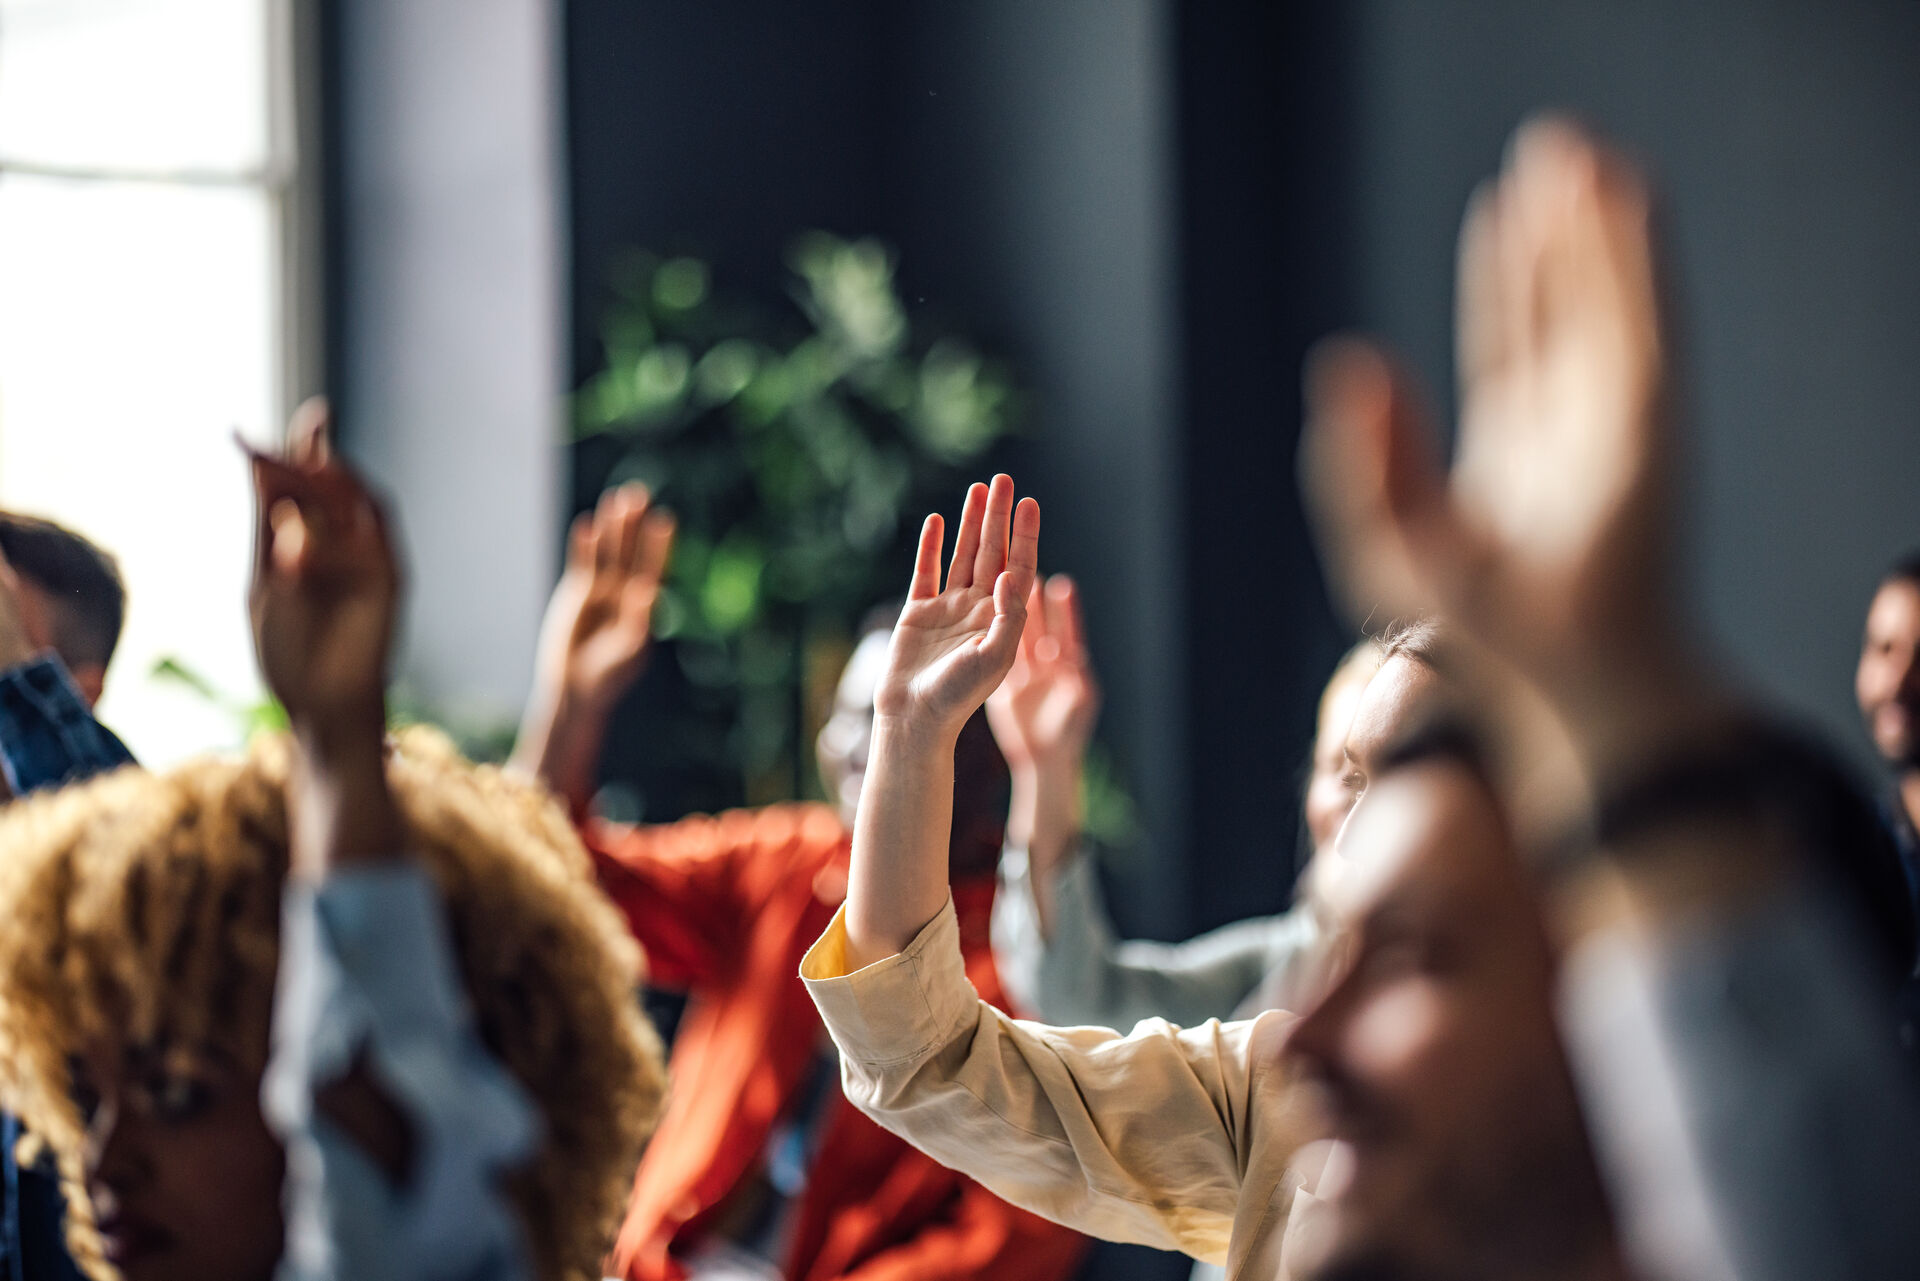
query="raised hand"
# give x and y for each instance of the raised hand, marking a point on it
(594, 640)
(954, 644)
(1552, 541)
(325, 583)
(325, 592)
(1044, 711)
(1042, 717)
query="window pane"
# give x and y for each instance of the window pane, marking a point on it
(147, 84)
(136, 333)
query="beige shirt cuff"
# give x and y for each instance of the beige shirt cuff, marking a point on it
(898, 1010)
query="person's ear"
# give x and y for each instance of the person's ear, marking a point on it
(90, 679)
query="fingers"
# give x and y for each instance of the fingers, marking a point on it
(1036, 628)
(991, 557)
(1001, 644)
(1062, 608)
(606, 532)
(312, 521)
(925, 584)
(1023, 550)
(1371, 483)
(277, 488)
(633, 511)
(309, 438)
(1478, 322)
(580, 543)
(966, 544)
(1032, 632)
(654, 546)
(314, 516)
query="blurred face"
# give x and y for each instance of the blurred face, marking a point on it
(980, 781)
(183, 1174)
(39, 613)
(1887, 682)
(1329, 791)
(1457, 1148)
(1402, 690)
(847, 736)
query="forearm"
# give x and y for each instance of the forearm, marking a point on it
(1044, 819)
(342, 812)
(560, 741)
(897, 881)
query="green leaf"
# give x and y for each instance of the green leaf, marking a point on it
(725, 371)
(680, 284)
(730, 596)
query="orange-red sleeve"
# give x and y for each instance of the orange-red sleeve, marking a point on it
(679, 886)
(979, 1238)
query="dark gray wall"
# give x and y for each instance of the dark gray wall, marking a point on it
(1019, 157)
(1787, 138)
(1035, 195)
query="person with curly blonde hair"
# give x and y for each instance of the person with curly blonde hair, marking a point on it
(339, 1008)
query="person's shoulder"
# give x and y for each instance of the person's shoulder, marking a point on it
(807, 825)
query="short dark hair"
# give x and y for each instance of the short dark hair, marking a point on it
(83, 582)
(1904, 570)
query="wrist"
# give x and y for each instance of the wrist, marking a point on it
(587, 701)
(345, 737)
(1044, 816)
(1629, 716)
(912, 738)
(341, 809)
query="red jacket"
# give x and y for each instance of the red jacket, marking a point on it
(725, 908)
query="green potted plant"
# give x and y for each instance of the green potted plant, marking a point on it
(798, 451)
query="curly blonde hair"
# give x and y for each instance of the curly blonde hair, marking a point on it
(145, 909)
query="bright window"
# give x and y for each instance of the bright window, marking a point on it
(147, 178)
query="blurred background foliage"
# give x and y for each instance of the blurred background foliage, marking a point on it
(798, 446)
(487, 739)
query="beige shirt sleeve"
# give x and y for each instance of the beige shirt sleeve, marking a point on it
(1147, 1137)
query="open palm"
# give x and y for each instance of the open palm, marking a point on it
(954, 644)
(599, 622)
(326, 580)
(1044, 711)
(1547, 539)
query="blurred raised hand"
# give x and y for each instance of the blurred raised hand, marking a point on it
(952, 647)
(594, 640)
(955, 643)
(323, 602)
(1042, 717)
(1552, 541)
(326, 581)
(1044, 711)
